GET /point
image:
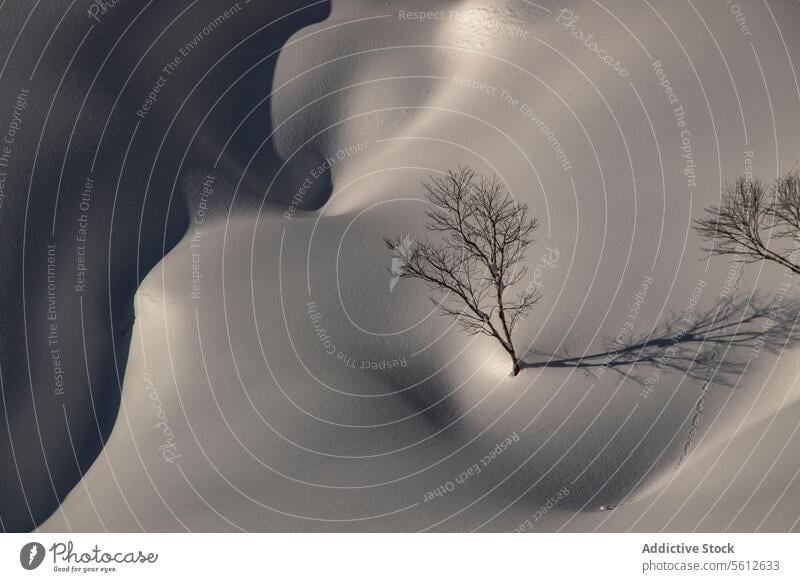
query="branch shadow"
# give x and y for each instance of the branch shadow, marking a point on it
(712, 345)
(716, 347)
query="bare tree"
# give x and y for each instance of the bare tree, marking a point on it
(755, 222)
(479, 255)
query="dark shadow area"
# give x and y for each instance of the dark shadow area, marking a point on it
(65, 329)
(716, 347)
(713, 345)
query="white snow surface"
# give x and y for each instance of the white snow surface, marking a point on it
(273, 432)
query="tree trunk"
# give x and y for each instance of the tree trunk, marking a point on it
(507, 344)
(514, 362)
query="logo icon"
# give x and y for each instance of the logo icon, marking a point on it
(31, 555)
(401, 252)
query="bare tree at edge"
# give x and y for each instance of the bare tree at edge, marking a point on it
(755, 222)
(478, 256)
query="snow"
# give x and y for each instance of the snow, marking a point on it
(284, 385)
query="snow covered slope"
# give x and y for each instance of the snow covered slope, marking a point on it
(278, 380)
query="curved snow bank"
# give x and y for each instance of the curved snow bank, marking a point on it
(305, 389)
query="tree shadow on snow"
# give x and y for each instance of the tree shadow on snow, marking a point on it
(713, 345)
